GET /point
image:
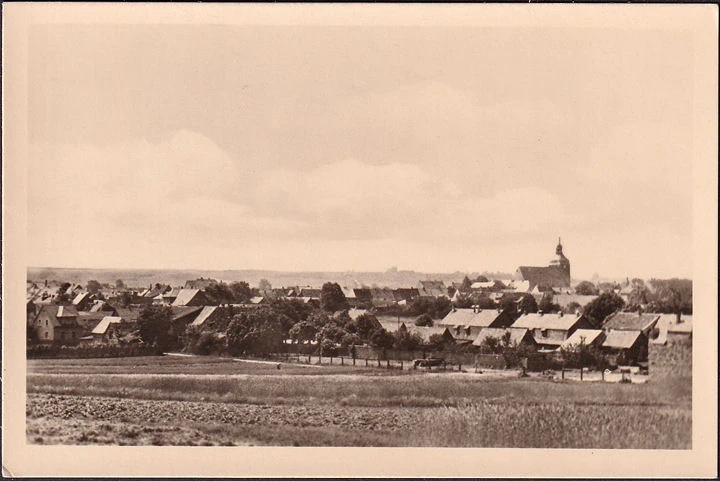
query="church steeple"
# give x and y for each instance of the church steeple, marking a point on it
(558, 249)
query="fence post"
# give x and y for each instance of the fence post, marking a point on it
(366, 362)
(459, 367)
(378, 362)
(562, 373)
(581, 373)
(353, 361)
(401, 365)
(330, 359)
(603, 374)
(342, 361)
(388, 364)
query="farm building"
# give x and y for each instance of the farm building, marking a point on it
(563, 300)
(107, 330)
(199, 283)
(57, 324)
(432, 289)
(82, 301)
(205, 314)
(551, 330)
(190, 297)
(586, 337)
(673, 328)
(468, 323)
(630, 345)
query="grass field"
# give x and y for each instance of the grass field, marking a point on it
(211, 401)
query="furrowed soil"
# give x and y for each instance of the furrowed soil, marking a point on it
(211, 401)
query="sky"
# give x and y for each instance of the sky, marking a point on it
(436, 149)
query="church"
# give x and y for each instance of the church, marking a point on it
(556, 274)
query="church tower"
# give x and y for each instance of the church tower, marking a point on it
(559, 260)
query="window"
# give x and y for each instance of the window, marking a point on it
(46, 322)
(47, 334)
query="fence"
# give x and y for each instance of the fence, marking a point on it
(362, 362)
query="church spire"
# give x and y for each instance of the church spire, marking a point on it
(558, 249)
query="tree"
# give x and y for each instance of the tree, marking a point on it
(350, 339)
(125, 299)
(586, 288)
(219, 293)
(119, 284)
(264, 285)
(424, 320)
(547, 305)
(599, 308)
(437, 341)
(572, 308)
(61, 297)
(382, 338)
(241, 291)
(582, 355)
(258, 332)
(485, 302)
(332, 297)
(466, 284)
(364, 326)
(303, 331)
(93, 287)
(406, 341)
(671, 296)
(481, 279)
(155, 327)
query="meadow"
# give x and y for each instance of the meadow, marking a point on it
(215, 401)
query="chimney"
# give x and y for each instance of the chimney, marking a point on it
(677, 318)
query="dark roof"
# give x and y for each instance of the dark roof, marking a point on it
(432, 288)
(630, 321)
(550, 276)
(179, 312)
(405, 294)
(516, 334)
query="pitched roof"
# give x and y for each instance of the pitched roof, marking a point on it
(204, 315)
(470, 317)
(630, 321)
(432, 288)
(621, 339)
(178, 312)
(103, 325)
(185, 296)
(79, 298)
(550, 276)
(668, 323)
(516, 334)
(256, 300)
(583, 336)
(66, 311)
(547, 321)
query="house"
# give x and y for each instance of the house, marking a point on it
(363, 297)
(625, 346)
(631, 321)
(518, 336)
(551, 330)
(425, 332)
(466, 324)
(311, 292)
(354, 313)
(107, 330)
(393, 323)
(672, 328)
(190, 297)
(57, 324)
(82, 301)
(382, 297)
(88, 320)
(258, 300)
(406, 294)
(432, 289)
(102, 306)
(586, 337)
(556, 274)
(205, 314)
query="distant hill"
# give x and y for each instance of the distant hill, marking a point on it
(177, 277)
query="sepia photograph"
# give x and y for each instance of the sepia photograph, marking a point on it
(355, 227)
